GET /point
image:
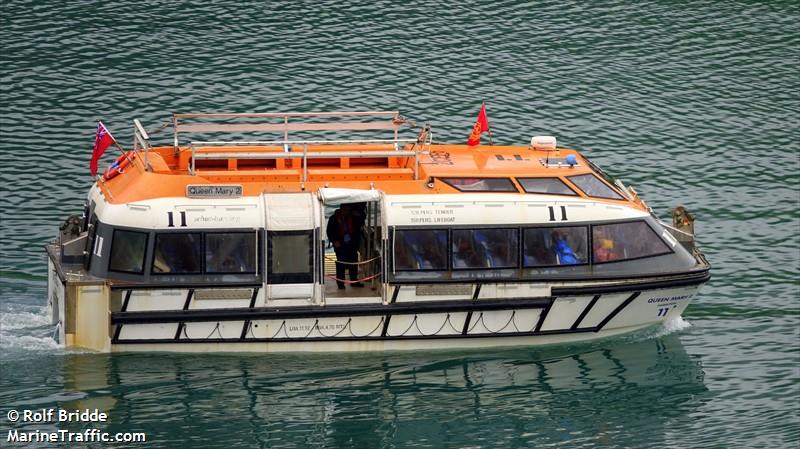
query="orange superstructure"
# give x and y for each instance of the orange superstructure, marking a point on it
(394, 166)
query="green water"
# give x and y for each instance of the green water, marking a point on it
(690, 102)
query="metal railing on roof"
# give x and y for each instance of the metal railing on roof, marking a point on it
(291, 121)
(141, 141)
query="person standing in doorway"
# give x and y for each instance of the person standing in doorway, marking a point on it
(344, 232)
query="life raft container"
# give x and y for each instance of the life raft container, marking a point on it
(119, 165)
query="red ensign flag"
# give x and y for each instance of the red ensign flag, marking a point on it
(102, 140)
(481, 126)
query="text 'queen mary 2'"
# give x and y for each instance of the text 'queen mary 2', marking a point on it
(295, 242)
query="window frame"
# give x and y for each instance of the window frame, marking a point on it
(170, 273)
(451, 256)
(670, 250)
(448, 255)
(620, 196)
(573, 194)
(144, 254)
(510, 183)
(291, 278)
(589, 255)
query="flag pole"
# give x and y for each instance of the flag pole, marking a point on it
(121, 149)
(491, 140)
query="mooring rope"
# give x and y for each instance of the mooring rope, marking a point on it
(345, 281)
(356, 263)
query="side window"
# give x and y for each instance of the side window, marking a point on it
(177, 253)
(291, 260)
(551, 186)
(485, 248)
(233, 252)
(420, 249)
(543, 247)
(592, 186)
(127, 251)
(481, 184)
(621, 241)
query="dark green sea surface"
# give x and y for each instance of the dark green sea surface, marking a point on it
(693, 103)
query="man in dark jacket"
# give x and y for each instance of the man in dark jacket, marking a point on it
(344, 231)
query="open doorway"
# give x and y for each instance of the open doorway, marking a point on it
(352, 246)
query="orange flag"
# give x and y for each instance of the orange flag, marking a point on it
(481, 126)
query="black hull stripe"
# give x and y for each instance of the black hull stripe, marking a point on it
(585, 312)
(127, 300)
(617, 311)
(239, 314)
(475, 295)
(543, 316)
(376, 338)
(617, 288)
(188, 299)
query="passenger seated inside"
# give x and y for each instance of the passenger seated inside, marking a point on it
(465, 254)
(431, 255)
(564, 253)
(501, 247)
(605, 248)
(536, 255)
(483, 240)
(604, 251)
(421, 250)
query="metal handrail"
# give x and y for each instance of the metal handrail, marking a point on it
(393, 124)
(298, 142)
(141, 140)
(290, 114)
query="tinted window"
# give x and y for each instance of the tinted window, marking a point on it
(592, 186)
(481, 184)
(620, 241)
(290, 257)
(553, 186)
(231, 252)
(555, 246)
(177, 253)
(485, 248)
(420, 249)
(127, 251)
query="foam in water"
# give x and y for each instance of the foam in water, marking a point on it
(26, 330)
(674, 325)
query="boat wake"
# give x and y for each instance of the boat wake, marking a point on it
(28, 329)
(670, 327)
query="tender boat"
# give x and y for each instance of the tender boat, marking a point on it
(349, 242)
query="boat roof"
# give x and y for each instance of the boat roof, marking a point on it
(392, 164)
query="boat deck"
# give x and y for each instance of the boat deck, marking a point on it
(393, 165)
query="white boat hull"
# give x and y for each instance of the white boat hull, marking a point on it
(560, 319)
